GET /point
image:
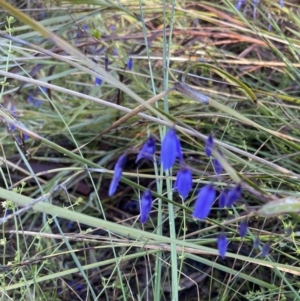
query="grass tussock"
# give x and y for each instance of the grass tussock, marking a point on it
(70, 70)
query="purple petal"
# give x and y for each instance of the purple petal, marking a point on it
(233, 195)
(243, 228)
(184, 182)
(205, 199)
(239, 4)
(98, 81)
(118, 170)
(170, 148)
(147, 151)
(222, 244)
(146, 204)
(209, 145)
(25, 137)
(223, 198)
(130, 64)
(30, 98)
(265, 249)
(178, 150)
(217, 166)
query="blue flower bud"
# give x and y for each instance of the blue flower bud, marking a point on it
(146, 204)
(11, 127)
(130, 64)
(265, 249)
(223, 198)
(147, 151)
(205, 199)
(36, 103)
(131, 206)
(243, 228)
(217, 166)
(25, 137)
(118, 170)
(71, 282)
(98, 81)
(170, 149)
(184, 182)
(30, 98)
(255, 2)
(45, 90)
(281, 3)
(222, 244)
(239, 4)
(70, 224)
(209, 145)
(233, 195)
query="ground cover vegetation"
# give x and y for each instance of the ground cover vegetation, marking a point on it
(149, 150)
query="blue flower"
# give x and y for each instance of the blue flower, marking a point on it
(117, 174)
(209, 145)
(217, 166)
(98, 49)
(233, 195)
(130, 64)
(170, 149)
(146, 204)
(223, 198)
(265, 249)
(205, 199)
(239, 4)
(255, 2)
(281, 3)
(36, 103)
(10, 127)
(79, 287)
(71, 282)
(44, 89)
(222, 244)
(243, 228)
(25, 137)
(70, 224)
(184, 182)
(147, 151)
(131, 206)
(98, 81)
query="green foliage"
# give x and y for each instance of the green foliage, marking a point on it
(63, 238)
